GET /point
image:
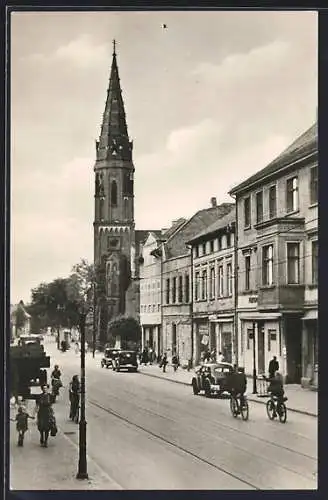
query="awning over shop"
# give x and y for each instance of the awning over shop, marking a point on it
(311, 314)
(259, 316)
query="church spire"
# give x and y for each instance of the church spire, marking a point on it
(114, 139)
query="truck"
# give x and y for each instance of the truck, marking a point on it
(28, 363)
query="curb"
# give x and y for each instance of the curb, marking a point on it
(301, 412)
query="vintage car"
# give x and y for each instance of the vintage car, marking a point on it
(125, 360)
(109, 355)
(212, 378)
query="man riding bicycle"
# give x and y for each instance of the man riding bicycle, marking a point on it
(276, 388)
(238, 385)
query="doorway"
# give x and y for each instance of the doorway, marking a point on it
(260, 348)
(174, 338)
(293, 329)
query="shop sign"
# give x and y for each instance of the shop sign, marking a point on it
(252, 299)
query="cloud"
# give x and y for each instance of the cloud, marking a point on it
(194, 165)
(83, 52)
(253, 64)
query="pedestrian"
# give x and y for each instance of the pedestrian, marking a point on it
(21, 420)
(175, 362)
(220, 357)
(213, 356)
(163, 362)
(150, 355)
(77, 347)
(144, 357)
(207, 357)
(45, 416)
(273, 367)
(74, 397)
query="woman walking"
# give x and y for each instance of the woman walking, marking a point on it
(45, 416)
(74, 397)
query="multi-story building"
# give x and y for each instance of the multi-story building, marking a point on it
(150, 294)
(277, 262)
(213, 288)
(176, 278)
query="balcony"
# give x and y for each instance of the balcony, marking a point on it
(282, 297)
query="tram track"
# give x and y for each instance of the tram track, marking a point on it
(173, 444)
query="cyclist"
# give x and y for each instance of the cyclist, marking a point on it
(276, 389)
(238, 385)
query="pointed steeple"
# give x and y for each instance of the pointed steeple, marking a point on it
(114, 140)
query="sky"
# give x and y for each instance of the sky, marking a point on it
(209, 101)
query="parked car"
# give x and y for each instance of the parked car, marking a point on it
(109, 355)
(211, 378)
(125, 360)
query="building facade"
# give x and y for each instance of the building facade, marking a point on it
(213, 289)
(178, 335)
(277, 245)
(151, 294)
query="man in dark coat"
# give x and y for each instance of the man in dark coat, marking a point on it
(273, 366)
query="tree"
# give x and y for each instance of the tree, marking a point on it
(127, 328)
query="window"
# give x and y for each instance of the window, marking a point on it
(212, 283)
(204, 248)
(220, 243)
(229, 278)
(292, 194)
(220, 281)
(272, 202)
(293, 263)
(272, 337)
(174, 290)
(212, 246)
(247, 211)
(313, 185)
(315, 262)
(228, 240)
(204, 285)
(259, 206)
(247, 272)
(168, 291)
(180, 292)
(197, 286)
(187, 286)
(113, 196)
(126, 208)
(267, 265)
(101, 209)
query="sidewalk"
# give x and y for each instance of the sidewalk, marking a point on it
(299, 400)
(54, 468)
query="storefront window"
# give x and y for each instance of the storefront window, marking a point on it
(272, 338)
(250, 334)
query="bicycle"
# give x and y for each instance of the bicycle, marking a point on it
(237, 408)
(276, 407)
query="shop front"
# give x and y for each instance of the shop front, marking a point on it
(260, 338)
(310, 356)
(202, 334)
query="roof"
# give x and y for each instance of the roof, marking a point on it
(175, 246)
(216, 226)
(175, 226)
(142, 234)
(304, 145)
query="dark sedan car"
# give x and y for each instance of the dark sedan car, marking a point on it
(212, 378)
(109, 355)
(125, 360)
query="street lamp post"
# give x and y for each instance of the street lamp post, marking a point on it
(82, 469)
(254, 362)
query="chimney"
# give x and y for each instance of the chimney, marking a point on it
(213, 202)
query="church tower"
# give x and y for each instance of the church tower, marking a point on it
(114, 227)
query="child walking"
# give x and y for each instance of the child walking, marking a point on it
(21, 420)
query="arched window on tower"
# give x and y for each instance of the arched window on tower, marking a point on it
(126, 208)
(101, 208)
(114, 194)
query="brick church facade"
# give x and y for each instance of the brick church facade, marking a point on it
(116, 241)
